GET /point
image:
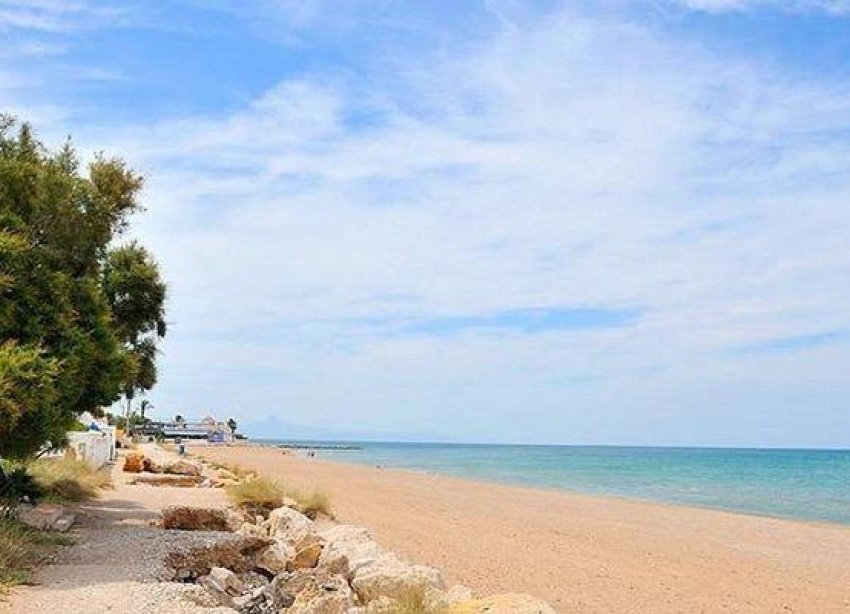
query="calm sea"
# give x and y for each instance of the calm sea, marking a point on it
(802, 484)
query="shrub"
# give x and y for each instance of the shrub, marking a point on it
(414, 601)
(258, 495)
(313, 503)
(68, 479)
(19, 484)
(21, 548)
(239, 472)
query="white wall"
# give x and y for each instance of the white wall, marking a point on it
(97, 447)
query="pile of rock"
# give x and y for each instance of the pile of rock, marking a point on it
(288, 562)
(177, 473)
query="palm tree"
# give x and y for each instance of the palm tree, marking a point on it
(232, 424)
(144, 406)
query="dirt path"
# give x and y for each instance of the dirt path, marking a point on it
(117, 559)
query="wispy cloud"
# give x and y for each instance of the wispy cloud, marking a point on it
(836, 7)
(430, 237)
(56, 15)
(799, 342)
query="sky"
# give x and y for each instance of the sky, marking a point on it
(587, 222)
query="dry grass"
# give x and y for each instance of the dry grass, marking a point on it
(258, 495)
(414, 601)
(313, 503)
(66, 479)
(240, 472)
(21, 549)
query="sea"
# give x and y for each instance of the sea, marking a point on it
(811, 485)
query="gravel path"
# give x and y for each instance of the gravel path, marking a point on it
(116, 563)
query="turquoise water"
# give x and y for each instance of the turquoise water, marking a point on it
(802, 484)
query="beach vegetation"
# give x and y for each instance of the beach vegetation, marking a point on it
(260, 495)
(21, 549)
(312, 503)
(80, 314)
(257, 495)
(414, 600)
(67, 479)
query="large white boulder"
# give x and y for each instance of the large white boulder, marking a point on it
(289, 525)
(307, 553)
(276, 557)
(312, 591)
(389, 577)
(347, 549)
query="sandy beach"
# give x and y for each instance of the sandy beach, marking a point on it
(581, 553)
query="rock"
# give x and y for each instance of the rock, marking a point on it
(282, 596)
(133, 462)
(152, 479)
(274, 558)
(347, 548)
(223, 584)
(183, 467)
(194, 519)
(235, 519)
(226, 581)
(253, 580)
(288, 525)
(252, 529)
(511, 603)
(64, 523)
(315, 592)
(390, 577)
(257, 601)
(151, 466)
(46, 517)
(344, 533)
(238, 555)
(307, 553)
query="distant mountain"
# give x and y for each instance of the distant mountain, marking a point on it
(272, 427)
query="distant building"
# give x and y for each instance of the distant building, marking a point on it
(208, 429)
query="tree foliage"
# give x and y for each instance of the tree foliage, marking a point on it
(79, 317)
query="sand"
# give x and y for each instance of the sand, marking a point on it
(581, 553)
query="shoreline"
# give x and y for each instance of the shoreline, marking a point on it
(580, 552)
(297, 452)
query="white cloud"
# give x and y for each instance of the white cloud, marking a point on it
(579, 162)
(837, 7)
(56, 15)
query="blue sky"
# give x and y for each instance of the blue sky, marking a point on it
(619, 222)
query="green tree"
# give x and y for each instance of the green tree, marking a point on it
(29, 415)
(231, 423)
(136, 295)
(59, 320)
